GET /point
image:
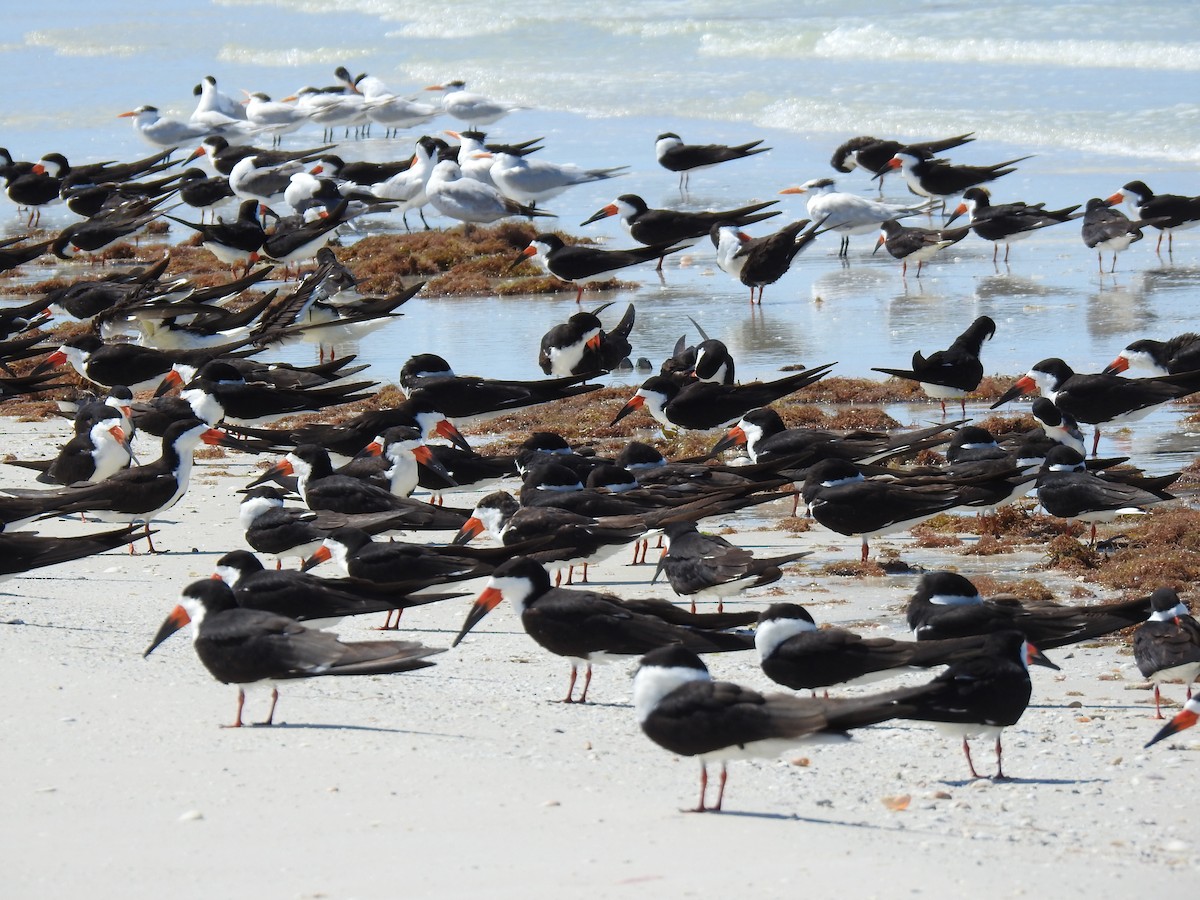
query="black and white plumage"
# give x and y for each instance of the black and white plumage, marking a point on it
(1167, 646)
(685, 712)
(1171, 357)
(676, 156)
(581, 265)
(242, 646)
(589, 627)
(953, 372)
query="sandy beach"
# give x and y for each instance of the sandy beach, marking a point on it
(468, 779)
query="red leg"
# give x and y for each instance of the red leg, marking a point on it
(999, 767)
(557, 577)
(237, 722)
(1158, 700)
(585, 567)
(570, 574)
(721, 788)
(571, 684)
(865, 550)
(270, 720)
(703, 788)
(587, 682)
(1095, 440)
(970, 765)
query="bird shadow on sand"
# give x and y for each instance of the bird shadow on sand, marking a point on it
(334, 726)
(967, 782)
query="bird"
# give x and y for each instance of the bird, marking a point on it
(844, 500)
(1066, 490)
(471, 399)
(703, 405)
(1171, 357)
(947, 605)
(581, 346)
(243, 646)
(475, 109)
(848, 214)
(676, 156)
(234, 243)
(983, 694)
(669, 226)
(471, 201)
(699, 565)
(685, 712)
(938, 179)
(1007, 222)
(917, 244)
(1099, 399)
(580, 265)
(219, 392)
(1167, 646)
(22, 552)
(953, 372)
(589, 627)
(160, 131)
(1173, 212)
(533, 181)
(757, 262)
(1105, 228)
(874, 154)
(100, 448)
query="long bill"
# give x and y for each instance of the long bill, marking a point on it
(177, 618)
(484, 604)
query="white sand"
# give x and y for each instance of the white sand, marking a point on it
(468, 780)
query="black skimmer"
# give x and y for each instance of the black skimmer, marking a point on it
(219, 392)
(848, 214)
(142, 493)
(1185, 718)
(982, 695)
(1173, 212)
(296, 242)
(261, 179)
(402, 454)
(1105, 228)
(12, 256)
(665, 227)
(1179, 354)
(581, 346)
(322, 489)
(321, 602)
(703, 405)
(471, 201)
(581, 265)
(684, 711)
(699, 565)
(22, 552)
(104, 229)
(842, 499)
(589, 627)
(676, 156)
(1167, 646)
(1099, 399)
(1006, 223)
(794, 652)
(874, 155)
(938, 179)
(757, 262)
(235, 243)
(272, 528)
(242, 646)
(469, 398)
(574, 539)
(100, 448)
(361, 172)
(1065, 489)
(917, 244)
(382, 563)
(40, 186)
(475, 109)
(953, 372)
(946, 605)
(137, 367)
(223, 156)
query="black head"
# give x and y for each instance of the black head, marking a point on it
(673, 656)
(946, 584)
(1164, 599)
(777, 611)
(243, 561)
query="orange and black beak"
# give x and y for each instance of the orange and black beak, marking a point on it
(1035, 657)
(484, 604)
(1184, 719)
(320, 555)
(283, 467)
(636, 402)
(470, 529)
(1118, 197)
(171, 380)
(446, 429)
(176, 620)
(215, 437)
(610, 210)
(199, 151)
(1024, 385)
(735, 437)
(958, 211)
(527, 253)
(425, 457)
(1117, 366)
(57, 358)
